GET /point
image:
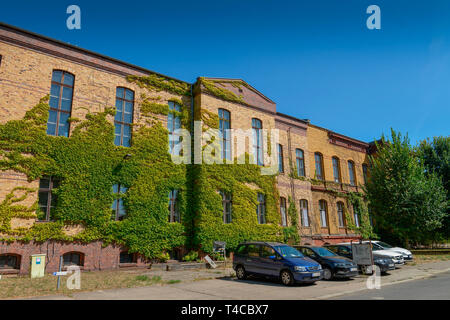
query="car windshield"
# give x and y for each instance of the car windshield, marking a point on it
(384, 245)
(288, 252)
(323, 252)
(376, 247)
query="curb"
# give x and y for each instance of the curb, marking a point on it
(386, 284)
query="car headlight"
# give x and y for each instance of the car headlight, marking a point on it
(381, 261)
(299, 268)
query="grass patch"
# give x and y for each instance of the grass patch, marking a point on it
(173, 281)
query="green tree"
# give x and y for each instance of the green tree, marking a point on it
(435, 155)
(407, 203)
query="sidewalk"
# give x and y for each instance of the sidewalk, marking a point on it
(222, 286)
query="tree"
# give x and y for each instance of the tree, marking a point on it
(408, 204)
(435, 156)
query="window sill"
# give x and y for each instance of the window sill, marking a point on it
(9, 271)
(128, 265)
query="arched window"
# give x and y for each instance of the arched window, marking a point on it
(9, 261)
(304, 212)
(319, 166)
(351, 172)
(340, 211)
(73, 259)
(323, 213)
(174, 124)
(225, 126)
(124, 116)
(61, 93)
(300, 159)
(336, 170)
(257, 141)
(283, 212)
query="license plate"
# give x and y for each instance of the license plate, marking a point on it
(316, 274)
(353, 269)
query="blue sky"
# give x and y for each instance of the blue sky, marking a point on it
(316, 59)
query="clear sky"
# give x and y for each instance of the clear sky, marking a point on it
(316, 59)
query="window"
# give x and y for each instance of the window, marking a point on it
(336, 170)
(351, 172)
(356, 216)
(61, 93)
(224, 126)
(319, 166)
(261, 209)
(280, 159)
(340, 211)
(253, 250)
(126, 257)
(364, 168)
(73, 259)
(323, 213)
(226, 203)
(9, 261)
(304, 212)
(173, 124)
(299, 156)
(267, 252)
(47, 197)
(118, 208)
(257, 141)
(124, 116)
(174, 212)
(283, 212)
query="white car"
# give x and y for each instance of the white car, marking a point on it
(407, 255)
(395, 256)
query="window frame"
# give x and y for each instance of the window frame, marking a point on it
(356, 217)
(49, 191)
(171, 126)
(321, 166)
(365, 170)
(283, 205)
(341, 214)
(261, 208)
(17, 261)
(122, 123)
(118, 197)
(227, 199)
(258, 147)
(71, 254)
(301, 160)
(59, 110)
(308, 224)
(226, 139)
(336, 163)
(325, 209)
(174, 210)
(351, 172)
(280, 158)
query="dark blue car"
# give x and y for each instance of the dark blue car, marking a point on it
(276, 260)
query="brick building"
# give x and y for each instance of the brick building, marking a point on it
(317, 166)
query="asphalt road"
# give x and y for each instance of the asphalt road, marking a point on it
(436, 287)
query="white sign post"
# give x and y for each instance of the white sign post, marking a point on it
(211, 263)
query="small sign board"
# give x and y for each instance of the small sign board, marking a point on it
(211, 263)
(362, 253)
(62, 273)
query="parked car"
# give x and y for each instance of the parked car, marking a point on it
(407, 255)
(333, 266)
(275, 260)
(384, 263)
(395, 256)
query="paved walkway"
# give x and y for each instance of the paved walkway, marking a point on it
(224, 286)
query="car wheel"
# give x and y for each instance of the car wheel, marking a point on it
(327, 274)
(287, 278)
(240, 273)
